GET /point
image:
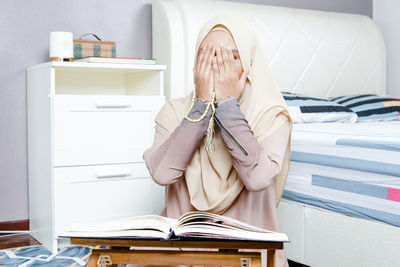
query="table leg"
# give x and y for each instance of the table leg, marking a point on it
(254, 262)
(93, 259)
(115, 247)
(271, 258)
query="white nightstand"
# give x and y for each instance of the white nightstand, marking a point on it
(88, 126)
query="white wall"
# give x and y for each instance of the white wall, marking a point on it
(386, 14)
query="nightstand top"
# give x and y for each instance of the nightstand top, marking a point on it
(105, 66)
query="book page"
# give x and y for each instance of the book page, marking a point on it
(198, 217)
(204, 224)
(144, 222)
(126, 233)
(226, 233)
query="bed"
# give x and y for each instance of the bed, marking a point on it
(320, 54)
(347, 168)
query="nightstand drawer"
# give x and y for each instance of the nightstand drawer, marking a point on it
(103, 129)
(94, 193)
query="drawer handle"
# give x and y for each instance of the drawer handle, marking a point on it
(103, 174)
(109, 104)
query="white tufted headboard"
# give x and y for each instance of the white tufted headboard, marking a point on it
(316, 53)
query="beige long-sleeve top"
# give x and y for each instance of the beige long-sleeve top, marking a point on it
(170, 153)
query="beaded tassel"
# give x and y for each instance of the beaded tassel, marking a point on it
(210, 134)
(210, 128)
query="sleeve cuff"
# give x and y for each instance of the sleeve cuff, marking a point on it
(199, 108)
(226, 99)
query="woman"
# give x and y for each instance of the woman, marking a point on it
(240, 168)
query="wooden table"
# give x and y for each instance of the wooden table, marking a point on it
(227, 255)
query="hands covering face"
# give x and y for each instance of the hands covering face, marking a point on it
(203, 75)
(229, 78)
(218, 68)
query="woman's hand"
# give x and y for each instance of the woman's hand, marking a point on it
(203, 75)
(229, 77)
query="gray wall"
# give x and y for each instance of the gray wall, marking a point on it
(24, 37)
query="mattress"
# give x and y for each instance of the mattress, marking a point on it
(350, 168)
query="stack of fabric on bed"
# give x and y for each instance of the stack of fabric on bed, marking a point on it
(346, 155)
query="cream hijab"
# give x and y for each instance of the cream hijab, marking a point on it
(212, 181)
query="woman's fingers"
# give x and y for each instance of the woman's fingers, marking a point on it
(216, 75)
(243, 77)
(215, 67)
(225, 57)
(231, 58)
(220, 62)
(202, 74)
(209, 60)
(200, 59)
(204, 60)
(202, 55)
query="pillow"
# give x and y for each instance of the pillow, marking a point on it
(305, 109)
(371, 107)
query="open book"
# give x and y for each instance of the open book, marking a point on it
(190, 225)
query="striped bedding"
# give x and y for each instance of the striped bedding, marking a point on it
(305, 109)
(353, 169)
(371, 107)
